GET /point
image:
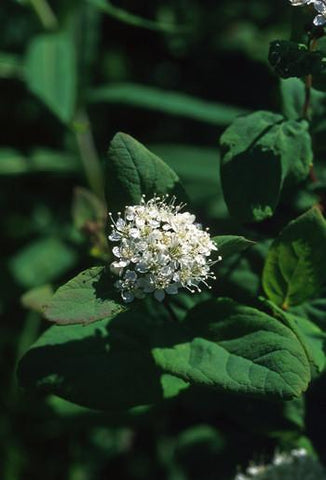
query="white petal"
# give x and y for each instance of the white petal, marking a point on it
(116, 251)
(320, 7)
(120, 223)
(116, 268)
(319, 21)
(142, 267)
(115, 236)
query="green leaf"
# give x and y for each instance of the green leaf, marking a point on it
(169, 102)
(50, 71)
(313, 310)
(313, 340)
(295, 268)
(235, 348)
(12, 162)
(10, 65)
(86, 298)
(135, 20)
(101, 366)
(132, 170)
(293, 98)
(41, 262)
(231, 244)
(258, 147)
(38, 298)
(52, 161)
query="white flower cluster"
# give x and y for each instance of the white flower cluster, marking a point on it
(295, 465)
(320, 7)
(160, 249)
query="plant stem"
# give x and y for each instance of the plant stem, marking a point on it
(308, 84)
(88, 153)
(307, 102)
(45, 14)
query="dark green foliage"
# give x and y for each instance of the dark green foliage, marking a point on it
(84, 299)
(132, 171)
(262, 152)
(56, 87)
(290, 59)
(202, 384)
(295, 266)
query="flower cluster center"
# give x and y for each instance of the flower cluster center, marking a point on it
(159, 250)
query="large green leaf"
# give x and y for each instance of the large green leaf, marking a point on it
(102, 366)
(51, 73)
(235, 348)
(85, 299)
(132, 170)
(261, 152)
(172, 103)
(295, 268)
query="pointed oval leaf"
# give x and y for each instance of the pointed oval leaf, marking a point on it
(132, 170)
(238, 349)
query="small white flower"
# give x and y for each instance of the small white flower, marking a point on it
(320, 7)
(159, 250)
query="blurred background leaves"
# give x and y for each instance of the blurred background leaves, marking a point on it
(172, 74)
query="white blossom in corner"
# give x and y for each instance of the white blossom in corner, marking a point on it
(159, 249)
(320, 7)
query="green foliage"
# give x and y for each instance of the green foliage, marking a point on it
(37, 298)
(231, 244)
(87, 208)
(84, 299)
(256, 148)
(295, 266)
(42, 261)
(201, 382)
(135, 20)
(102, 366)
(55, 86)
(293, 99)
(291, 59)
(239, 349)
(172, 103)
(133, 171)
(313, 338)
(44, 160)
